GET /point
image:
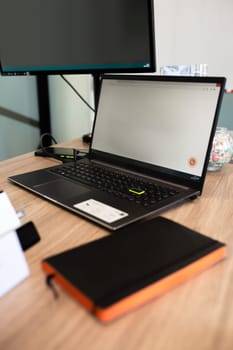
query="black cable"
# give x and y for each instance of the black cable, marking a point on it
(43, 136)
(46, 134)
(79, 95)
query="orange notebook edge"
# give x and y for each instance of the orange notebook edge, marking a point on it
(142, 296)
(159, 287)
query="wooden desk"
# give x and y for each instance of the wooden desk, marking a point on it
(196, 315)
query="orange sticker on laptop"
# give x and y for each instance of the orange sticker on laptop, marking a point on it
(192, 161)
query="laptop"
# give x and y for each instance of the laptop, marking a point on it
(155, 133)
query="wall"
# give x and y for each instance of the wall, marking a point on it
(70, 117)
(197, 31)
(18, 95)
(226, 113)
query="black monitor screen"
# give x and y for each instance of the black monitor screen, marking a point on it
(76, 36)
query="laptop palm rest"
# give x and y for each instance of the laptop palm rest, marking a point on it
(50, 186)
(61, 189)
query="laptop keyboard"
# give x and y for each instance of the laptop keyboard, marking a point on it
(122, 185)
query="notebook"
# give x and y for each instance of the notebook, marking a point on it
(156, 129)
(122, 271)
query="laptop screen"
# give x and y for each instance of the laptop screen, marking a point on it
(160, 122)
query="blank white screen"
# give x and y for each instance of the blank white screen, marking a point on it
(167, 124)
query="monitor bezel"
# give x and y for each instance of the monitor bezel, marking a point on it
(58, 70)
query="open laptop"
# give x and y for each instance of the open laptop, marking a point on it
(152, 131)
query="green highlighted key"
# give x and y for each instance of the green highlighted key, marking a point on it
(135, 191)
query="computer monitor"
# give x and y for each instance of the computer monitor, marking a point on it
(76, 36)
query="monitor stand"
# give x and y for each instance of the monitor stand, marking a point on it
(44, 110)
(96, 81)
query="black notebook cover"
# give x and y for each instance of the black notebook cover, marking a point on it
(119, 272)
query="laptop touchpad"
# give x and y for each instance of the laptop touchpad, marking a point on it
(61, 189)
